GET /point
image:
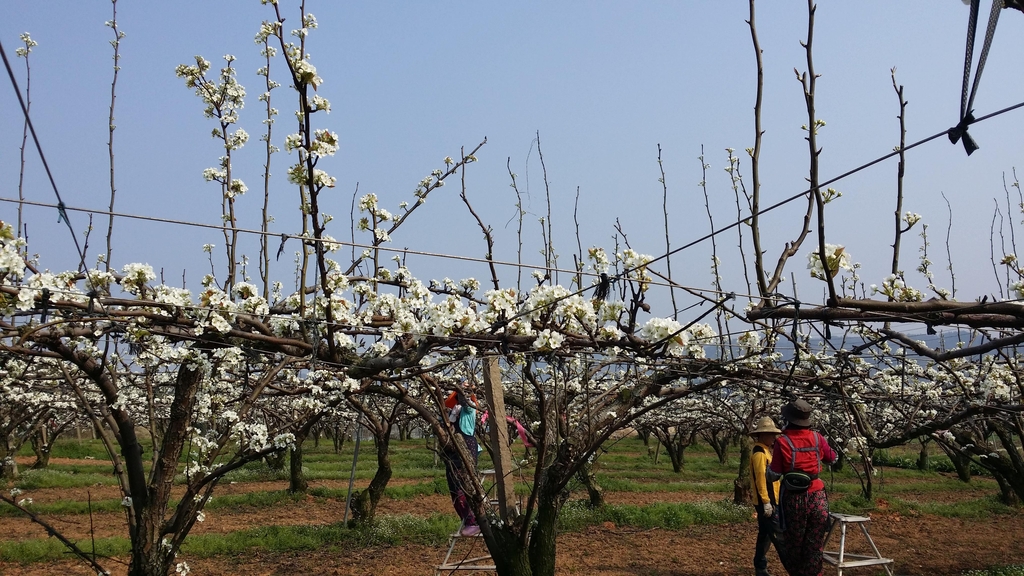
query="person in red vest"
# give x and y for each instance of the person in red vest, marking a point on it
(797, 456)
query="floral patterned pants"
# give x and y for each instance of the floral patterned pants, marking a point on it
(806, 524)
(453, 468)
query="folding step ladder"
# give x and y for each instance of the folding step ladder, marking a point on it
(841, 558)
(468, 563)
(464, 561)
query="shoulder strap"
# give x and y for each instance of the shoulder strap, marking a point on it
(816, 449)
(792, 452)
(771, 491)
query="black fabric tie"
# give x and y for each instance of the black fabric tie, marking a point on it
(959, 132)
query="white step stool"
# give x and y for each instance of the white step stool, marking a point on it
(842, 559)
(467, 564)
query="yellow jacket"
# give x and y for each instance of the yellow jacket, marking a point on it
(759, 462)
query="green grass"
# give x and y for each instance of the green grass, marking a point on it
(921, 483)
(56, 478)
(576, 515)
(51, 549)
(63, 507)
(78, 449)
(92, 467)
(437, 485)
(386, 531)
(626, 484)
(249, 499)
(855, 504)
(978, 508)
(264, 499)
(902, 457)
(1017, 570)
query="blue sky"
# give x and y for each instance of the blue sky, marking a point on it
(604, 83)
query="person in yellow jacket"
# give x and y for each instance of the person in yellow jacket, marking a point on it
(766, 491)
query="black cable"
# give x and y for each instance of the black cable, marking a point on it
(61, 214)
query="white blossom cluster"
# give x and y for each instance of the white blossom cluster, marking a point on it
(837, 258)
(12, 262)
(895, 287)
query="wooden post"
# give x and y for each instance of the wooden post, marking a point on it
(498, 436)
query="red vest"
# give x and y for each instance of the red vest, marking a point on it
(804, 453)
(801, 451)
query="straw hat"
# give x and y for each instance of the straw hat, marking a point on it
(798, 412)
(765, 426)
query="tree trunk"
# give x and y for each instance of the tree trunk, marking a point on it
(742, 490)
(542, 537)
(1011, 490)
(840, 460)
(588, 477)
(275, 461)
(511, 558)
(677, 454)
(364, 502)
(922, 456)
(150, 500)
(1008, 468)
(645, 435)
(867, 485)
(338, 438)
(41, 448)
(296, 479)
(961, 463)
(676, 441)
(719, 442)
(8, 466)
(159, 428)
(150, 563)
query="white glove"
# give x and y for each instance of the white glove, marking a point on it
(768, 510)
(453, 416)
